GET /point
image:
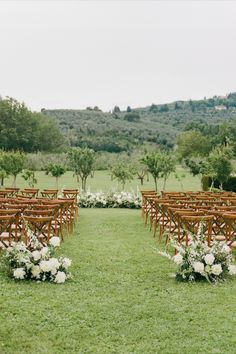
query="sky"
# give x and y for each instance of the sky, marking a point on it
(74, 54)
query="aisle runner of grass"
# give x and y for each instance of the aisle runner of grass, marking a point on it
(122, 299)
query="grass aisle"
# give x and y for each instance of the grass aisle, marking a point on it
(122, 299)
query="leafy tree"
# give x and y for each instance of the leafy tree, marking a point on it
(153, 108)
(154, 165)
(128, 110)
(24, 130)
(219, 164)
(193, 143)
(55, 170)
(168, 164)
(30, 177)
(164, 108)
(12, 163)
(3, 175)
(132, 117)
(116, 109)
(123, 173)
(82, 161)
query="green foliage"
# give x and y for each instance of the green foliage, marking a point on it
(192, 143)
(159, 164)
(219, 165)
(116, 109)
(12, 163)
(132, 117)
(82, 161)
(55, 170)
(122, 172)
(30, 177)
(24, 130)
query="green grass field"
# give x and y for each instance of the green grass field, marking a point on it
(102, 181)
(122, 299)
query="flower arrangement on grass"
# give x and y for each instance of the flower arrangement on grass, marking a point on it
(37, 262)
(109, 200)
(197, 261)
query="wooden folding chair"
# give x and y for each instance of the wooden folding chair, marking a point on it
(41, 227)
(191, 224)
(8, 230)
(230, 228)
(50, 193)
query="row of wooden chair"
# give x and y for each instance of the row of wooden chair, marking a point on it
(180, 214)
(44, 217)
(34, 192)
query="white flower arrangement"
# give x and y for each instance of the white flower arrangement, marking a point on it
(36, 262)
(129, 200)
(198, 261)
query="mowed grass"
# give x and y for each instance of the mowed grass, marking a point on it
(102, 182)
(122, 299)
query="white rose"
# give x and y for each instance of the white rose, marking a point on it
(45, 266)
(66, 262)
(19, 273)
(232, 269)
(209, 259)
(54, 265)
(44, 251)
(55, 241)
(216, 269)
(21, 247)
(226, 249)
(36, 255)
(60, 278)
(36, 271)
(198, 267)
(178, 259)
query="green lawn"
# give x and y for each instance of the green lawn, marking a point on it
(122, 299)
(102, 181)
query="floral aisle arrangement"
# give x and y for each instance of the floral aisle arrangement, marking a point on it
(198, 261)
(110, 200)
(37, 262)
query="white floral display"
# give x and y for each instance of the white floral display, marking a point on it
(37, 262)
(198, 261)
(129, 200)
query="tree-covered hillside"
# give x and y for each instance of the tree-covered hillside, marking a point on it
(156, 124)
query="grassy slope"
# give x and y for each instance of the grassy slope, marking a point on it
(122, 299)
(102, 181)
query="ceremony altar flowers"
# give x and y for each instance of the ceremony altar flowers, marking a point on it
(198, 261)
(129, 200)
(37, 262)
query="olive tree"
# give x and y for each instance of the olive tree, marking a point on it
(12, 163)
(55, 170)
(159, 164)
(81, 162)
(122, 172)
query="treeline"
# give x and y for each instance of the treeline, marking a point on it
(21, 129)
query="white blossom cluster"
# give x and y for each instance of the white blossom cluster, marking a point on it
(129, 200)
(198, 261)
(37, 262)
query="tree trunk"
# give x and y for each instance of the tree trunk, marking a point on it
(141, 180)
(83, 180)
(147, 177)
(164, 184)
(2, 181)
(57, 183)
(14, 181)
(221, 186)
(77, 178)
(155, 180)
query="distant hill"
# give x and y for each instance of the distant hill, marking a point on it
(151, 125)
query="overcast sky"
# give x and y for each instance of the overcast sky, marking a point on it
(73, 54)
